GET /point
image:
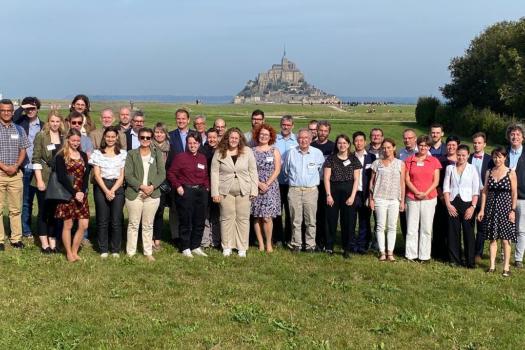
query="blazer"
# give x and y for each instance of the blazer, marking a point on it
(176, 146)
(466, 185)
(487, 164)
(224, 171)
(520, 173)
(43, 156)
(134, 173)
(366, 172)
(129, 142)
(96, 138)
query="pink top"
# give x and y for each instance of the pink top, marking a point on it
(422, 174)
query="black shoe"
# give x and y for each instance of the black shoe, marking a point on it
(54, 251)
(2, 247)
(295, 250)
(346, 254)
(329, 252)
(46, 251)
(18, 245)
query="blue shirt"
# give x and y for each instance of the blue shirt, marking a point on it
(183, 135)
(86, 145)
(283, 145)
(303, 169)
(34, 128)
(404, 153)
(514, 156)
(441, 151)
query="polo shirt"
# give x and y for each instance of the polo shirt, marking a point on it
(422, 175)
(12, 140)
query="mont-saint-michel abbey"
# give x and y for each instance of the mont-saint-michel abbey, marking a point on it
(283, 83)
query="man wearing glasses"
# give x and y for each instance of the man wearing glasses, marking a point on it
(313, 125)
(257, 119)
(132, 135)
(76, 119)
(13, 145)
(220, 126)
(200, 125)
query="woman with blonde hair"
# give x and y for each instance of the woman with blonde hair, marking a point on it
(46, 145)
(70, 160)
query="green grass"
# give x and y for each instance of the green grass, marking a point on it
(284, 301)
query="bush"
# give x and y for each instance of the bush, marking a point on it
(426, 110)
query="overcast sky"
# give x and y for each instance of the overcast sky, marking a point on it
(397, 48)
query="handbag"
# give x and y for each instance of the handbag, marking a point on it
(165, 186)
(55, 190)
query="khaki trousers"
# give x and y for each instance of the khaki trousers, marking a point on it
(235, 219)
(12, 186)
(303, 205)
(141, 209)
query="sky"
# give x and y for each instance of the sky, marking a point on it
(402, 48)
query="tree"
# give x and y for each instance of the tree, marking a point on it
(491, 74)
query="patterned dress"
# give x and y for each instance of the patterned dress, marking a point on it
(266, 205)
(73, 209)
(497, 209)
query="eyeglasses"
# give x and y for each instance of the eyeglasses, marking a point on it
(147, 138)
(76, 123)
(314, 129)
(258, 119)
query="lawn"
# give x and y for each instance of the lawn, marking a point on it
(304, 301)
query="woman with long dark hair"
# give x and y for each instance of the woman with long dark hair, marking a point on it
(108, 167)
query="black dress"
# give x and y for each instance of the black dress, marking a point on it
(497, 209)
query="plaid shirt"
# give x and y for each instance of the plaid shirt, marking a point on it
(11, 142)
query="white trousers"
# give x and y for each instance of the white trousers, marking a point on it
(420, 215)
(387, 212)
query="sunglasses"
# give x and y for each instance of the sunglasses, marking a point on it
(145, 138)
(76, 123)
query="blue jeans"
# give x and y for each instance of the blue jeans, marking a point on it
(27, 202)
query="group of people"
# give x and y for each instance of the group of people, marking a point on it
(223, 186)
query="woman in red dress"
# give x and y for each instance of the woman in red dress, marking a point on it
(70, 160)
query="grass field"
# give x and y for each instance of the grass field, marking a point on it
(283, 301)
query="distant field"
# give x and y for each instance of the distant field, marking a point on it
(392, 118)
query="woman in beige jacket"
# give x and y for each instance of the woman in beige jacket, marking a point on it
(234, 181)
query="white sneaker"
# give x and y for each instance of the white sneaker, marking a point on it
(104, 255)
(187, 253)
(199, 252)
(227, 252)
(242, 253)
(115, 255)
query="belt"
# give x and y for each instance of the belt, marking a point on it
(195, 187)
(302, 188)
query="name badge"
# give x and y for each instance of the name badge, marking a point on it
(269, 159)
(346, 162)
(200, 166)
(311, 165)
(51, 147)
(368, 166)
(420, 163)
(151, 160)
(14, 136)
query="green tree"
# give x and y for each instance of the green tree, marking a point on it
(491, 74)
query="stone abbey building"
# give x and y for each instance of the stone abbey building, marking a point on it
(283, 83)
